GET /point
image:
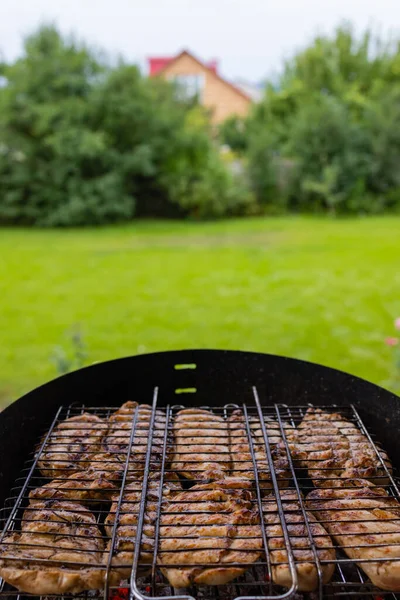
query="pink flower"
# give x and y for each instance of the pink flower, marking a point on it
(397, 323)
(391, 341)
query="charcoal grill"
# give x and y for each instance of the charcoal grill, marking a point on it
(222, 381)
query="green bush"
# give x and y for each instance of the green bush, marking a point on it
(334, 121)
(212, 191)
(324, 141)
(347, 165)
(262, 167)
(55, 169)
(233, 133)
(85, 143)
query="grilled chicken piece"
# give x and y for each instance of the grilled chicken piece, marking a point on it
(120, 424)
(333, 448)
(125, 538)
(90, 486)
(112, 465)
(214, 525)
(72, 445)
(242, 463)
(306, 567)
(63, 534)
(201, 445)
(124, 413)
(116, 442)
(365, 521)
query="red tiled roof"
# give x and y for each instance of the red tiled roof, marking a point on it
(156, 64)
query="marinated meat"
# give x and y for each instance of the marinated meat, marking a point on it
(201, 444)
(89, 486)
(333, 448)
(215, 525)
(125, 537)
(120, 423)
(72, 445)
(242, 462)
(112, 465)
(306, 565)
(65, 535)
(365, 521)
(116, 442)
(124, 413)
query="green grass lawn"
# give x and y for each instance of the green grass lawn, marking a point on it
(316, 289)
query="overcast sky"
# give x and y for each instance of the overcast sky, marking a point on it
(249, 37)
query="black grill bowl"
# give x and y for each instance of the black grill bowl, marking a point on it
(193, 377)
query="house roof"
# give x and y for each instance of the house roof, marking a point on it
(157, 63)
(211, 67)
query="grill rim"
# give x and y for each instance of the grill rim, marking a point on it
(217, 373)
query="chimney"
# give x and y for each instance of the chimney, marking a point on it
(213, 65)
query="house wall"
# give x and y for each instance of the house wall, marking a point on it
(218, 96)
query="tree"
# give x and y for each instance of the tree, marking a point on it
(82, 142)
(233, 133)
(54, 168)
(334, 118)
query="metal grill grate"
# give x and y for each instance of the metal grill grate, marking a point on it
(147, 580)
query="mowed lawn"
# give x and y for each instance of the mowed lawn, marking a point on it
(317, 289)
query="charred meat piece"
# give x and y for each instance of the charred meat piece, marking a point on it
(125, 538)
(333, 448)
(116, 442)
(215, 525)
(365, 521)
(58, 550)
(306, 564)
(242, 463)
(72, 445)
(201, 445)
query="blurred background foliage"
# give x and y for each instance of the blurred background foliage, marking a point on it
(84, 141)
(327, 136)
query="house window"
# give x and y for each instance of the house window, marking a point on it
(189, 86)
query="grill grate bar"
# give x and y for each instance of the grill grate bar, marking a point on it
(121, 494)
(157, 535)
(282, 519)
(135, 592)
(259, 502)
(303, 509)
